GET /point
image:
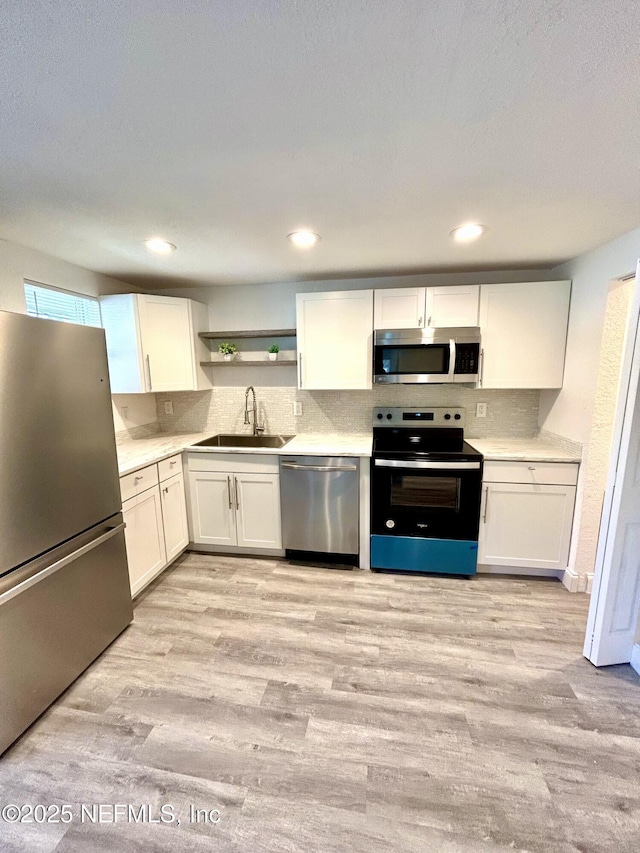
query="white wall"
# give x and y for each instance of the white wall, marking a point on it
(568, 412)
(18, 263)
(273, 306)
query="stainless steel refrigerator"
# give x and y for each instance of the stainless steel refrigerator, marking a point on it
(64, 582)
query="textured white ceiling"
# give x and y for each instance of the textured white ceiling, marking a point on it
(381, 124)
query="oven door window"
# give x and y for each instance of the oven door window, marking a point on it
(432, 493)
(418, 359)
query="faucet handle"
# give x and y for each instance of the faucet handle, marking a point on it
(259, 429)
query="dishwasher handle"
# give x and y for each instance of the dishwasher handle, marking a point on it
(296, 467)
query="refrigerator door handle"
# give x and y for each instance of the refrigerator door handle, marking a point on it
(60, 564)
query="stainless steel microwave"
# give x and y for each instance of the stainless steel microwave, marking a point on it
(423, 356)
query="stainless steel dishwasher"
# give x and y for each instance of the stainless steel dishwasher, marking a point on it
(319, 496)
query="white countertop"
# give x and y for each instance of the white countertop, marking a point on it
(139, 452)
(520, 449)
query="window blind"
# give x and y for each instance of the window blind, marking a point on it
(61, 305)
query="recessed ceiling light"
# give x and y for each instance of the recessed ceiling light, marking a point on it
(159, 246)
(303, 239)
(467, 233)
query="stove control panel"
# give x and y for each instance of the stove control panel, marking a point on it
(435, 416)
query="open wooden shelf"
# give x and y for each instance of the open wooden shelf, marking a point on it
(237, 362)
(255, 333)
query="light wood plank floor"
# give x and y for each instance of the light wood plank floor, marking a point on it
(340, 711)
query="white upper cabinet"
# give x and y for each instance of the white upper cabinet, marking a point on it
(399, 308)
(452, 306)
(335, 332)
(417, 307)
(524, 334)
(153, 343)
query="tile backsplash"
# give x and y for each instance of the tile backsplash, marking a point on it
(510, 414)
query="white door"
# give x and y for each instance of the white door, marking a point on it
(144, 538)
(335, 332)
(524, 334)
(174, 516)
(526, 525)
(615, 599)
(453, 306)
(399, 308)
(258, 510)
(167, 346)
(212, 508)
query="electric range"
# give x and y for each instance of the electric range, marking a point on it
(426, 485)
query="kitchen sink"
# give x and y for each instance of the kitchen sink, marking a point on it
(231, 440)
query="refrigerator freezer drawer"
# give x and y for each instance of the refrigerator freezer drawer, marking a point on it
(55, 622)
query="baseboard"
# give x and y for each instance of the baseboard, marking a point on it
(575, 582)
(234, 550)
(487, 569)
(571, 580)
(635, 658)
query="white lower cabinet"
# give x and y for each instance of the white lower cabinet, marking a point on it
(144, 537)
(527, 514)
(258, 510)
(213, 517)
(155, 516)
(174, 516)
(234, 501)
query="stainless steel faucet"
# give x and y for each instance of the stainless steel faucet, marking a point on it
(256, 429)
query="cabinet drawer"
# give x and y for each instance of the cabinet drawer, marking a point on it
(234, 463)
(170, 467)
(558, 473)
(138, 481)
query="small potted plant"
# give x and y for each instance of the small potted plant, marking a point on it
(227, 350)
(273, 351)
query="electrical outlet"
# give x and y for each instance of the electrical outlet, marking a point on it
(168, 408)
(297, 408)
(481, 410)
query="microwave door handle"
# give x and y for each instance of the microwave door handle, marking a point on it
(452, 360)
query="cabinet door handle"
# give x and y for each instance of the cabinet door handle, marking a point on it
(486, 505)
(235, 483)
(173, 462)
(137, 480)
(428, 321)
(229, 491)
(420, 324)
(149, 372)
(531, 468)
(300, 370)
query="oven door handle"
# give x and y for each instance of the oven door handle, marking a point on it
(429, 466)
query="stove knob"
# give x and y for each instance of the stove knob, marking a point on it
(389, 417)
(390, 523)
(457, 417)
(447, 417)
(379, 416)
